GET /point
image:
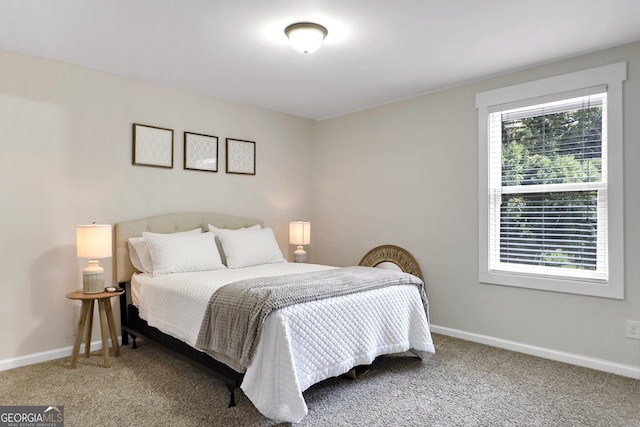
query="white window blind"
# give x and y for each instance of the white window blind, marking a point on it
(547, 188)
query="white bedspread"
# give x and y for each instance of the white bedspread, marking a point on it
(301, 344)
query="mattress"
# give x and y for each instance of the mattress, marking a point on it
(300, 345)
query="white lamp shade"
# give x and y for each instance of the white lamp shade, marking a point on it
(94, 241)
(299, 233)
(306, 37)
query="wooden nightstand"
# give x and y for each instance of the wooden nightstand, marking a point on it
(106, 322)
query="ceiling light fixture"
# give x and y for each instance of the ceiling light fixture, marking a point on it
(306, 37)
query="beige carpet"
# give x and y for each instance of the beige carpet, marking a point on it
(464, 384)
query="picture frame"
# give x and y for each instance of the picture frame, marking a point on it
(241, 156)
(200, 152)
(152, 146)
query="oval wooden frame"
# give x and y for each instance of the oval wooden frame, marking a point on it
(395, 254)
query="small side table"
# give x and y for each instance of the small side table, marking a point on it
(86, 319)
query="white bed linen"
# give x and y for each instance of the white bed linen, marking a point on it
(301, 344)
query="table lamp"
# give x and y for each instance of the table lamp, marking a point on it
(299, 235)
(94, 241)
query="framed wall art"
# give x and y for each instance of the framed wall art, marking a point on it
(152, 146)
(200, 152)
(241, 156)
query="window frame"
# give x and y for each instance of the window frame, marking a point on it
(540, 91)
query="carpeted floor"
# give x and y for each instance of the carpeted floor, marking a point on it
(464, 384)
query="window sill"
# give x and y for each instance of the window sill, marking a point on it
(604, 289)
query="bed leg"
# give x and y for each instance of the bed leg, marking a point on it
(134, 344)
(123, 314)
(232, 395)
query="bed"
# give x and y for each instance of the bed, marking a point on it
(298, 344)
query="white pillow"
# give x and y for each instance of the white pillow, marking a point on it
(215, 230)
(139, 254)
(250, 247)
(179, 253)
(139, 251)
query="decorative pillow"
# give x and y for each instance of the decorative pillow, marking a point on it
(179, 253)
(250, 247)
(215, 230)
(139, 251)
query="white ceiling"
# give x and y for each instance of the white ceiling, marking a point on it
(376, 52)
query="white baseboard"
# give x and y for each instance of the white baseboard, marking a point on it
(45, 356)
(630, 371)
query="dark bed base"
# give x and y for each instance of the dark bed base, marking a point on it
(133, 325)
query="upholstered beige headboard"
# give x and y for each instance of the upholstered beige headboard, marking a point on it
(167, 224)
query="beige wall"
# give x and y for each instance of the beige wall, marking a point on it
(65, 144)
(406, 174)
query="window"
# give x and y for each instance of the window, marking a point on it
(551, 183)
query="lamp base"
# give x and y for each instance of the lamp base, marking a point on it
(93, 278)
(300, 255)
